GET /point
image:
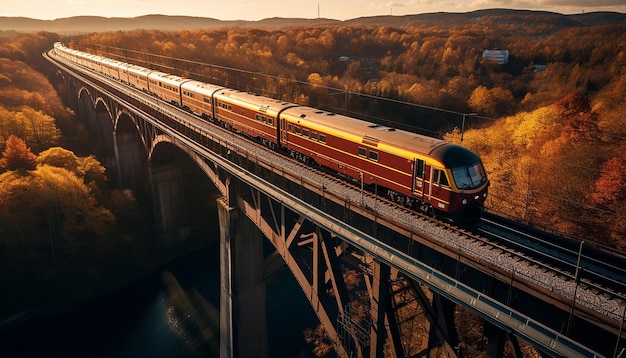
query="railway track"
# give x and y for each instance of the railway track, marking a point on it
(584, 262)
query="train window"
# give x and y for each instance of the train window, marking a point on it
(225, 106)
(305, 132)
(323, 138)
(314, 135)
(289, 127)
(270, 121)
(297, 130)
(374, 156)
(469, 177)
(362, 152)
(441, 178)
(419, 168)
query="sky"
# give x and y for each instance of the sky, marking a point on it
(260, 9)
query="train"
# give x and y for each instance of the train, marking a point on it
(419, 172)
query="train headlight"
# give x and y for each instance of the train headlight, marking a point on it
(477, 197)
(464, 201)
(484, 194)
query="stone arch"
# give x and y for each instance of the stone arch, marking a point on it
(104, 133)
(185, 199)
(86, 108)
(208, 170)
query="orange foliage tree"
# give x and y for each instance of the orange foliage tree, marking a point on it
(575, 113)
(17, 156)
(610, 188)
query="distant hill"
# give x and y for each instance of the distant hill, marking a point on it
(86, 24)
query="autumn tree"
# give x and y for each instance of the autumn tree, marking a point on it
(17, 155)
(88, 169)
(493, 102)
(60, 158)
(35, 127)
(67, 201)
(29, 88)
(610, 188)
(575, 113)
(608, 193)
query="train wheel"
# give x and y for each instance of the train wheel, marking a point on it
(428, 210)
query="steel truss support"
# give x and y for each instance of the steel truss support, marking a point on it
(385, 336)
(311, 257)
(319, 261)
(440, 315)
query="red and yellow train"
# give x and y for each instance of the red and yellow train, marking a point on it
(417, 171)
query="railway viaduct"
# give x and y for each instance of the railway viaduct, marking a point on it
(413, 283)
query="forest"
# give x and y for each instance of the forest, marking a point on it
(549, 124)
(66, 233)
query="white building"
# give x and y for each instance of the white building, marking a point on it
(501, 56)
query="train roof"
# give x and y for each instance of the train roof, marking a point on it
(404, 143)
(138, 69)
(166, 77)
(113, 62)
(253, 102)
(203, 88)
(368, 131)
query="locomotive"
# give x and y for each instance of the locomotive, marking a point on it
(419, 172)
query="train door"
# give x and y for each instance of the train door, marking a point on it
(440, 187)
(419, 169)
(282, 132)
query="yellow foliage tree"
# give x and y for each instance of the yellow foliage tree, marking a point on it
(35, 127)
(492, 102)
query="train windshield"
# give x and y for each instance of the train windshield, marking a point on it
(469, 177)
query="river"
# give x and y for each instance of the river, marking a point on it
(139, 320)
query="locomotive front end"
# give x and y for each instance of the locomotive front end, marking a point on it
(469, 183)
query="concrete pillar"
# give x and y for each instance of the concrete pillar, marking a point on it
(170, 209)
(243, 320)
(129, 160)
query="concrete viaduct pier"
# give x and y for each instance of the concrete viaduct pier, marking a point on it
(243, 321)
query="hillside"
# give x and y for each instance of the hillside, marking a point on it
(86, 24)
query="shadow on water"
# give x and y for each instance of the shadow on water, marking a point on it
(138, 320)
(172, 313)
